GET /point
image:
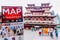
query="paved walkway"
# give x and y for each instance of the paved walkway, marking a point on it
(33, 35)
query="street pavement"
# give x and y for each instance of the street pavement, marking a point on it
(33, 35)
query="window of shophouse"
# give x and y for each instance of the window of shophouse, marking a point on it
(38, 22)
(43, 5)
(41, 19)
(45, 9)
(36, 18)
(49, 19)
(25, 18)
(43, 22)
(32, 18)
(48, 9)
(29, 18)
(28, 10)
(36, 14)
(45, 19)
(40, 13)
(47, 5)
(30, 22)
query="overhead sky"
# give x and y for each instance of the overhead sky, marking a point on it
(54, 3)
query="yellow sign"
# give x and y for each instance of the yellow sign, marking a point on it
(45, 31)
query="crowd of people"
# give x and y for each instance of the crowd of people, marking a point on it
(7, 32)
(51, 32)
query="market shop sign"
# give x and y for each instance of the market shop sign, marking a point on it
(12, 12)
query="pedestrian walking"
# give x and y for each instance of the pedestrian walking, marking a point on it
(51, 32)
(56, 33)
(33, 28)
(48, 31)
(40, 31)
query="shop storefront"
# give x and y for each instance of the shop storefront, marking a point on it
(11, 20)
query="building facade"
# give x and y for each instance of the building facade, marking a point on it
(39, 16)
